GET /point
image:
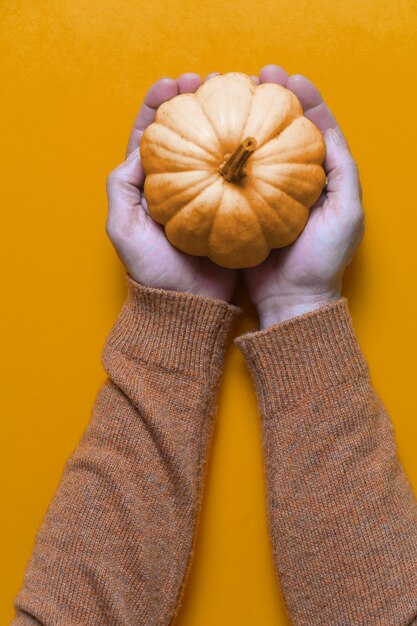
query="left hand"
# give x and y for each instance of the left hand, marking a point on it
(139, 240)
(308, 274)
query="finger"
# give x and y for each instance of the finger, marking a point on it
(312, 102)
(341, 168)
(164, 89)
(339, 164)
(273, 74)
(211, 75)
(123, 190)
(189, 82)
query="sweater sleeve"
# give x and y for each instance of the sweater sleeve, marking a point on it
(341, 510)
(116, 543)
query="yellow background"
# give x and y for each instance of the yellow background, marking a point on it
(73, 75)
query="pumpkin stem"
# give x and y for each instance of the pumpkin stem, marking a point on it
(232, 169)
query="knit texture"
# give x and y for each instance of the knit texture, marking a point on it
(342, 513)
(116, 544)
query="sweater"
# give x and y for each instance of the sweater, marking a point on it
(116, 544)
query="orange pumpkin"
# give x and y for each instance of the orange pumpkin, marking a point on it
(232, 169)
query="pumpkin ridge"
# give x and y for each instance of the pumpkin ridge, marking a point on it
(266, 163)
(267, 182)
(204, 184)
(290, 163)
(300, 179)
(209, 121)
(170, 152)
(212, 221)
(277, 213)
(255, 212)
(216, 133)
(286, 127)
(214, 218)
(215, 156)
(181, 151)
(197, 166)
(288, 119)
(242, 136)
(281, 215)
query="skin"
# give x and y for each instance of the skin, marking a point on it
(291, 281)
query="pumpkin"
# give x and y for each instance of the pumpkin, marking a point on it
(232, 169)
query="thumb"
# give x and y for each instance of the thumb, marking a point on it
(129, 171)
(126, 179)
(124, 194)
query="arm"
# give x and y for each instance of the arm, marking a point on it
(342, 514)
(116, 543)
(343, 517)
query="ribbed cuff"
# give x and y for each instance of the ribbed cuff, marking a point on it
(175, 330)
(304, 354)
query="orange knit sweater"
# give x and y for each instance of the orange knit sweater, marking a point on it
(117, 540)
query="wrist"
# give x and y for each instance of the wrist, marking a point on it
(280, 309)
(174, 330)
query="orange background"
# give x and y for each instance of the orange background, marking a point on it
(73, 75)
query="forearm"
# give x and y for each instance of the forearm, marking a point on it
(116, 543)
(342, 513)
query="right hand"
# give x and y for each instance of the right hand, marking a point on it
(307, 274)
(140, 241)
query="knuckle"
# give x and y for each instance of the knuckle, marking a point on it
(353, 167)
(352, 171)
(360, 188)
(109, 229)
(112, 230)
(118, 232)
(360, 223)
(111, 179)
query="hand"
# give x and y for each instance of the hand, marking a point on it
(140, 241)
(308, 273)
